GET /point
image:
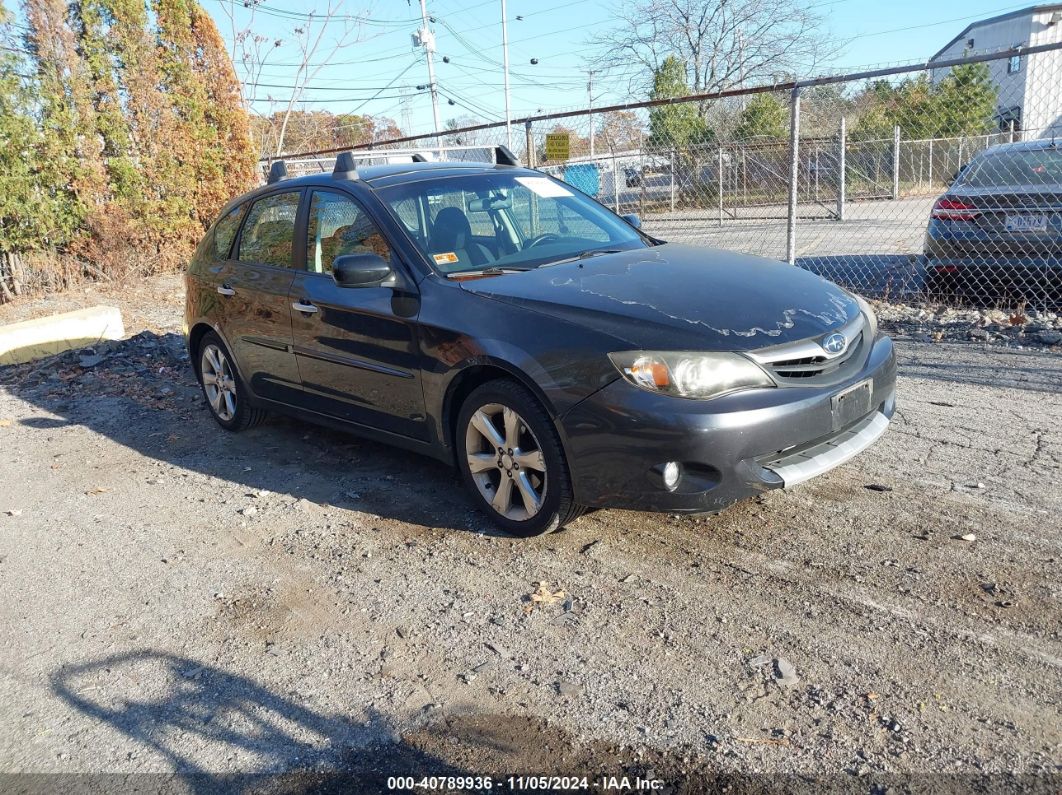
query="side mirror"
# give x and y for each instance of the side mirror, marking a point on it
(360, 270)
(633, 220)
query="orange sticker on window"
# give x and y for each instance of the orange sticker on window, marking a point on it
(449, 258)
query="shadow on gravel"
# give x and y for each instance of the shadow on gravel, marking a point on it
(141, 393)
(187, 713)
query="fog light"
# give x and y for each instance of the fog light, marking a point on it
(672, 472)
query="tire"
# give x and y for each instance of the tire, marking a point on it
(227, 398)
(527, 492)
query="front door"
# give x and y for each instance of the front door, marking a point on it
(257, 283)
(356, 347)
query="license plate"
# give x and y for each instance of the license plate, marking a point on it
(852, 403)
(1029, 222)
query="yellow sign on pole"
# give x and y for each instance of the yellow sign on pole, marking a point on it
(558, 146)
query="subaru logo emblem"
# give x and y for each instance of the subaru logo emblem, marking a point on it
(835, 344)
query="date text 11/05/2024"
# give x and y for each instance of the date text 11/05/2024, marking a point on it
(524, 783)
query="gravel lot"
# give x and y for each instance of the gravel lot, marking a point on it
(288, 608)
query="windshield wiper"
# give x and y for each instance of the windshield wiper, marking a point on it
(596, 252)
(492, 270)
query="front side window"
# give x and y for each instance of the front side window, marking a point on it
(505, 220)
(269, 232)
(338, 225)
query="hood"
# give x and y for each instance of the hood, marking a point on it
(676, 297)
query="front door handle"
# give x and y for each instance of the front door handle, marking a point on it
(304, 306)
(224, 289)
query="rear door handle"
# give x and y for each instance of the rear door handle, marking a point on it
(304, 306)
(224, 289)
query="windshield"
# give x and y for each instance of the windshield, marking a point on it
(1016, 167)
(505, 221)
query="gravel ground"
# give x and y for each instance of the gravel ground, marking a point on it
(291, 609)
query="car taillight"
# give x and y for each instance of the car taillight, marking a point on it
(954, 210)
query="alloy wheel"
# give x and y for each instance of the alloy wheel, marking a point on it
(506, 461)
(218, 382)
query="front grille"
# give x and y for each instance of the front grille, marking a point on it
(805, 362)
(812, 366)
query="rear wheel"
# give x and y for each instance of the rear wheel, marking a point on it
(512, 461)
(224, 390)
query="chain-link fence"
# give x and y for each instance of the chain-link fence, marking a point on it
(941, 182)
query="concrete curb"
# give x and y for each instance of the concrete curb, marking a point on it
(46, 336)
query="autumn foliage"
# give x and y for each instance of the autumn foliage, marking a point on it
(132, 134)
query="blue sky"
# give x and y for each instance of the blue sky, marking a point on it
(379, 74)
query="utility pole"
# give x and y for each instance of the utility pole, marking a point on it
(425, 38)
(505, 59)
(590, 105)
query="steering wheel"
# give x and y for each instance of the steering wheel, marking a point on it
(540, 239)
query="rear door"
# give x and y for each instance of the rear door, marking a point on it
(356, 347)
(255, 287)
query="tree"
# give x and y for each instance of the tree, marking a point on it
(966, 101)
(719, 43)
(68, 153)
(23, 208)
(962, 103)
(621, 130)
(679, 125)
(765, 116)
(215, 158)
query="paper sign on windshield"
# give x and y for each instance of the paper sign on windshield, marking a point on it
(546, 188)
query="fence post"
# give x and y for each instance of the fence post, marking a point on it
(896, 162)
(931, 163)
(719, 180)
(615, 183)
(529, 142)
(673, 163)
(794, 173)
(841, 184)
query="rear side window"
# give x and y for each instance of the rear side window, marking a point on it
(269, 232)
(225, 231)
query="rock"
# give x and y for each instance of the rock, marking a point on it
(763, 659)
(877, 487)
(249, 511)
(14, 512)
(498, 649)
(90, 361)
(402, 631)
(966, 537)
(1050, 337)
(785, 673)
(977, 333)
(567, 689)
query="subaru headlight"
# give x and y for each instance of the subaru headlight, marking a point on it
(690, 375)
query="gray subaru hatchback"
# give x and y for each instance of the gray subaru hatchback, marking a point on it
(559, 357)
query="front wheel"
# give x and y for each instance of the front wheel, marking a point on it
(512, 462)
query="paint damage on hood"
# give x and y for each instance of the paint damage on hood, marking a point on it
(681, 297)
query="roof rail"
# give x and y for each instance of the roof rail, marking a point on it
(419, 158)
(345, 167)
(277, 172)
(503, 156)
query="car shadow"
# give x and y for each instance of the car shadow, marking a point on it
(199, 718)
(142, 394)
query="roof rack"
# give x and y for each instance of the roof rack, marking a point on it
(277, 172)
(503, 156)
(345, 167)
